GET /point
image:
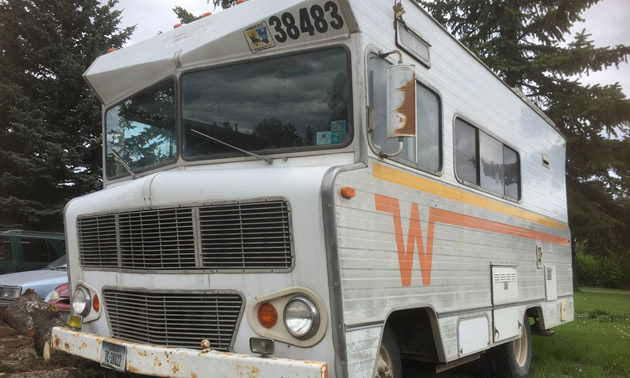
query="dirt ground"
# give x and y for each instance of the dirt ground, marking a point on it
(18, 359)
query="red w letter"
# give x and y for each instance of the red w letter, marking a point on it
(405, 256)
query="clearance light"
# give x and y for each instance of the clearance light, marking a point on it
(348, 192)
(96, 304)
(75, 321)
(240, 1)
(112, 49)
(267, 315)
(176, 26)
(206, 14)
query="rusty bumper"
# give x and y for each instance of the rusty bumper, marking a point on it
(180, 362)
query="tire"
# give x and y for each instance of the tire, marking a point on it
(514, 358)
(389, 364)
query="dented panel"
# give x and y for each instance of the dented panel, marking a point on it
(181, 362)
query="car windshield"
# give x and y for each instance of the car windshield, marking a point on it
(59, 264)
(289, 103)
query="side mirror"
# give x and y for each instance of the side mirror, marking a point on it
(401, 101)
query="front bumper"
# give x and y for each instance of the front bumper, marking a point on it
(180, 362)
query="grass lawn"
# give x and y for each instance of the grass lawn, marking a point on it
(595, 344)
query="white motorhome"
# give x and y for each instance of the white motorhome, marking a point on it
(315, 188)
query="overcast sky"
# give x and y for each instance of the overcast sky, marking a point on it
(606, 21)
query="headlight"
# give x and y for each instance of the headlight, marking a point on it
(81, 301)
(301, 317)
(53, 296)
(10, 292)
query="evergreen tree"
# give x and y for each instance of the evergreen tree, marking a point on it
(50, 121)
(523, 42)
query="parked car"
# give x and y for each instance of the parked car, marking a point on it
(26, 250)
(43, 281)
(60, 297)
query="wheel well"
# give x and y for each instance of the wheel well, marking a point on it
(416, 331)
(536, 313)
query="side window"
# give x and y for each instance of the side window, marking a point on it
(486, 162)
(6, 254)
(35, 250)
(425, 151)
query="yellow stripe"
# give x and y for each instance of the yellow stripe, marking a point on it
(398, 177)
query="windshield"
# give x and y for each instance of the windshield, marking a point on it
(142, 130)
(290, 103)
(59, 264)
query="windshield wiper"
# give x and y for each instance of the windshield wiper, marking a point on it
(259, 157)
(122, 162)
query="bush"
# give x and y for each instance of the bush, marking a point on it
(598, 271)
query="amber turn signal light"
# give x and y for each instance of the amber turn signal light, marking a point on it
(176, 26)
(267, 315)
(96, 305)
(348, 192)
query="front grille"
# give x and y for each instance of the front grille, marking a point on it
(222, 237)
(97, 241)
(157, 239)
(246, 236)
(175, 319)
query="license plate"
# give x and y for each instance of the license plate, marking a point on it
(113, 356)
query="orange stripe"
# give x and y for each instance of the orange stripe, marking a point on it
(449, 217)
(412, 181)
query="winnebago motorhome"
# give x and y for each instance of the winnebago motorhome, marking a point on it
(315, 188)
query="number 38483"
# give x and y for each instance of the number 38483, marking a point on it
(310, 21)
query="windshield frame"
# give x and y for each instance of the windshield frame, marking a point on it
(234, 155)
(175, 79)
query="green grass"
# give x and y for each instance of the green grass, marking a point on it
(595, 344)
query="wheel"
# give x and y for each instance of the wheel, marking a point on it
(513, 359)
(389, 364)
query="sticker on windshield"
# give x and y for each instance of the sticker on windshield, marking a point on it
(258, 37)
(323, 137)
(338, 127)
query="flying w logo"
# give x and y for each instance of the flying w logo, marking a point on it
(414, 237)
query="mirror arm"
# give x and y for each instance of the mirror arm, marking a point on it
(382, 154)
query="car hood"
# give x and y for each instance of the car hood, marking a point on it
(34, 279)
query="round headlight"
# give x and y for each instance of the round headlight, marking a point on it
(81, 301)
(301, 317)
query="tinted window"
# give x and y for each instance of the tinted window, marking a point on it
(291, 102)
(425, 150)
(428, 130)
(466, 152)
(6, 254)
(142, 130)
(491, 154)
(512, 173)
(35, 250)
(484, 161)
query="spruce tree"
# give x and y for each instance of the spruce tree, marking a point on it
(50, 122)
(523, 42)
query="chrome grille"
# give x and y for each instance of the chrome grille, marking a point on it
(246, 236)
(157, 239)
(221, 237)
(175, 319)
(97, 241)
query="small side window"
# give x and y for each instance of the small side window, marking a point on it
(6, 254)
(484, 161)
(35, 250)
